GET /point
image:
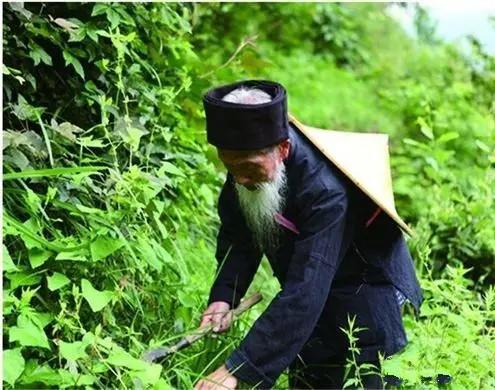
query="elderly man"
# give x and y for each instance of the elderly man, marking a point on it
(284, 199)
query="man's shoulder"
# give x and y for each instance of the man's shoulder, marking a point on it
(309, 169)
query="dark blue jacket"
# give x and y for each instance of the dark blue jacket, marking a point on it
(322, 270)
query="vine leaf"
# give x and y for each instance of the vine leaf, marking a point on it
(97, 299)
(13, 365)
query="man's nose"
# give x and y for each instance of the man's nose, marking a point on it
(243, 180)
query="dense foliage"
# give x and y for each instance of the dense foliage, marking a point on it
(110, 189)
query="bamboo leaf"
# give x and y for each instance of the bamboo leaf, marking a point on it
(51, 172)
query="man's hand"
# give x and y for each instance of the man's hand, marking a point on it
(218, 314)
(220, 379)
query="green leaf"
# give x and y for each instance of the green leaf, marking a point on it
(71, 60)
(170, 168)
(75, 379)
(104, 246)
(8, 264)
(68, 130)
(51, 172)
(97, 299)
(79, 255)
(38, 54)
(89, 142)
(36, 372)
(99, 9)
(27, 333)
(113, 17)
(56, 281)
(119, 357)
(148, 253)
(22, 278)
(13, 365)
(186, 298)
(41, 319)
(25, 111)
(425, 128)
(149, 376)
(447, 137)
(38, 256)
(72, 351)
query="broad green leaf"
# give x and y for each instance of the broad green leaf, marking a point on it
(41, 319)
(75, 380)
(89, 142)
(207, 194)
(80, 255)
(99, 9)
(113, 17)
(27, 333)
(148, 253)
(68, 130)
(38, 256)
(149, 376)
(38, 54)
(25, 111)
(104, 246)
(17, 159)
(56, 281)
(13, 365)
(72, 351)
(71, 60)
(37, 372)
(170, 168)
(29, 139)
(22, 278)
(8, 264)
(97, 299)
(119, 357)
(18, 6)
(186, 298)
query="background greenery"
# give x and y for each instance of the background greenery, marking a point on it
(110, 188)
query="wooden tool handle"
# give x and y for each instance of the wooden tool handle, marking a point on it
(245, 305)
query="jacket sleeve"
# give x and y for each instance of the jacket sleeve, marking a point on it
(237, 257)
(281, 331)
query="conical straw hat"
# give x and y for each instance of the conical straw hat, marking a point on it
(363, 158)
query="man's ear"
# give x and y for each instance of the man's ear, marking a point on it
(284, 149)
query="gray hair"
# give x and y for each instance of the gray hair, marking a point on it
(245, 95)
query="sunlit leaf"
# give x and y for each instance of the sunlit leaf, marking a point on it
(57, 281)
(13, 365)
(97, 299)
(103, 246)
(27, 333)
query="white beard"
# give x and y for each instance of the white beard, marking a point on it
(260, 206)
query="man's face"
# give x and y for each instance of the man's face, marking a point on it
(250, 168)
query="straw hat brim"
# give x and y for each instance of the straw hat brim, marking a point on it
(363, 158)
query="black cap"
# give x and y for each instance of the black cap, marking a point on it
(237, 126)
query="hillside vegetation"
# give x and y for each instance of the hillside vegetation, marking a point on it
(110, 189)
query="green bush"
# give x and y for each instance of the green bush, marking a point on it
(110, 188)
